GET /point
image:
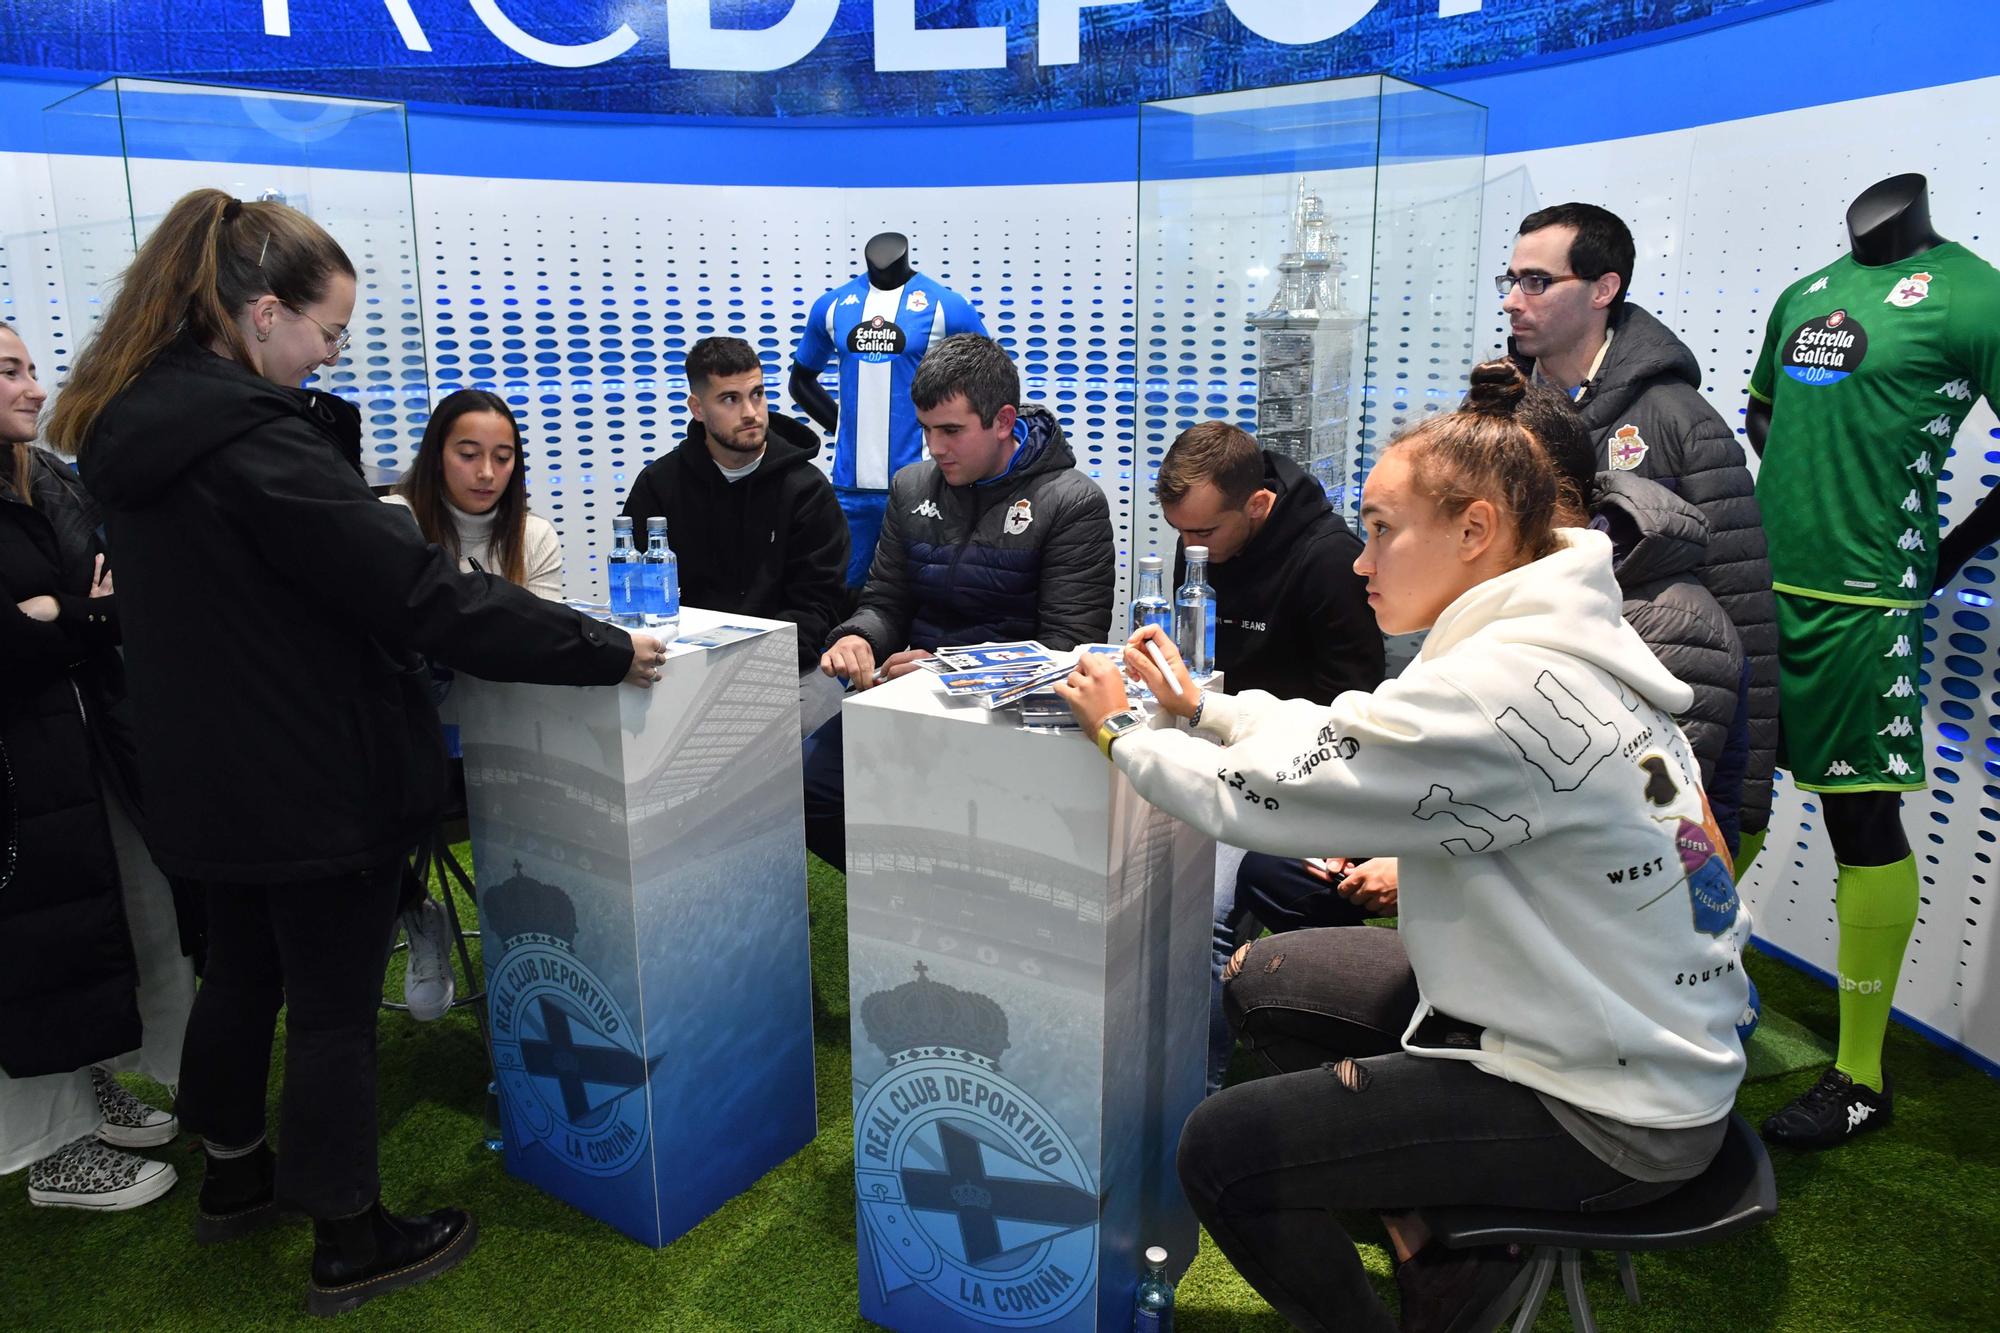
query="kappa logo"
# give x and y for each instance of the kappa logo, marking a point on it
(1019, 515)
(1627, 448)
(1908, 291)
(918, 302)
(1909, 579)
(1902, 689)
(563, 1047)
(1857, 1113)
(1900, 648)
(852, 299)
(1922, 467)
(1840, 768)
(927, 509)
(1911, 540)
(1959, 391)
(1819, 286)
(1898, 766)
(1940, 426)
(968, 1188)
(1901, 726)
(1912, 502)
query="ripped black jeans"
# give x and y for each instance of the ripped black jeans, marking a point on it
(1268, 1163)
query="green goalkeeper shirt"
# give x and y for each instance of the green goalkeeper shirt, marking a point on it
(1869, 372)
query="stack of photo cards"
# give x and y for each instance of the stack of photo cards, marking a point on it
(1023, 674)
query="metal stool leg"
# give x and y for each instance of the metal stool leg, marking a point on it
(1629, 1276)
(1579, 1303)
(1544, 1261)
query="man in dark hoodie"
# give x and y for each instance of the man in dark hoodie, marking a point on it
(1291, 618)
(1638, 389)
(995, 537)
(754, 524)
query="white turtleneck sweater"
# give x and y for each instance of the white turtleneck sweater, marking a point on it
(542, 572)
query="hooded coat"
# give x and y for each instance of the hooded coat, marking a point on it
(1645, 411)
(773, 544)
(1291, 615)
(1658, 541)
(1559, 883)
(1024, 555)
(274, 612)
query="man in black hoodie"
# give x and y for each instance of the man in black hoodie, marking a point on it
(754, 524)
(1638, 388)
(1291, 618)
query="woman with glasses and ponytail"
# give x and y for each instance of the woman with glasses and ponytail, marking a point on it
(274, 613)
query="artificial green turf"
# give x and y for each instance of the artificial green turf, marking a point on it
(1899, 1231)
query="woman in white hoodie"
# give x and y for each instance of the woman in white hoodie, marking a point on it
(1553, 1024)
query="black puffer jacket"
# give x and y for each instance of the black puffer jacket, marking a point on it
(1027, 555)
(1647, 415)
(272, 612)
(773, 544)
(1658, 541)
(67, 973)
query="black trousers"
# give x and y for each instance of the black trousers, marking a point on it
(1350, 1122)
(319, 948)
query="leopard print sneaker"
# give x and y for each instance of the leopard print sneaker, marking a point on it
(129, 1122)
(87, 1174)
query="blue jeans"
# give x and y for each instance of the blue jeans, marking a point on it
(1276, 893)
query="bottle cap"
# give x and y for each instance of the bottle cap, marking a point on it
(1197, 553)
(657, 521)
(622, 522)
(1156, 1256)
(1148, 562)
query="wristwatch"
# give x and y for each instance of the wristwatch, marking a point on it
(1111, 728)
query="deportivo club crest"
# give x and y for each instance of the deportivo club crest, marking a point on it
(562, 1045)
(1909, 291)
(1627, 449)
(965, 1186)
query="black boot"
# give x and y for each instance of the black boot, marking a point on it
(238, 1196)
(358, 1258)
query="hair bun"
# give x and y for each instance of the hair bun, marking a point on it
(1497, 388)
(232, 210)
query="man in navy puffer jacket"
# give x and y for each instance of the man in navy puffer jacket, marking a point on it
(994, 537)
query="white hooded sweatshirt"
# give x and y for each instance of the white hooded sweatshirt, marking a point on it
(1559, 888)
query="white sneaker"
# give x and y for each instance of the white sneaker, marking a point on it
(428, 985)
(129, 1122)
(87, 1174)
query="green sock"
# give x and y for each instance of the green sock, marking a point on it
(1747, 847)
(1877, 906)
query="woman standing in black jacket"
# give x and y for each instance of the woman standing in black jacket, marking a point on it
(273, 617)
(93, 973)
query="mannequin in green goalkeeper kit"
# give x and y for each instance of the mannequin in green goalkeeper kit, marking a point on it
(1868, 368)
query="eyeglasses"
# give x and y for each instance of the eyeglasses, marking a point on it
(337, 339)
(1534, 284)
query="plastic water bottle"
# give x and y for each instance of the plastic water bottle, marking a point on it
(661, 583)
(496, 1137)
(1153, 1307)
(1149, 604)
(623, 569)
(1194, 616)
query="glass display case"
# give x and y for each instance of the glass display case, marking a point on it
(122, 151)
(1306, 269)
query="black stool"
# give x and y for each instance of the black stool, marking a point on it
(1735, 1193)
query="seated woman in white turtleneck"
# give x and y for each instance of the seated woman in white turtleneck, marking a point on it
(470, 496)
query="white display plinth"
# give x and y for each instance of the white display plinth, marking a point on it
(640, 856)
(1028, 955)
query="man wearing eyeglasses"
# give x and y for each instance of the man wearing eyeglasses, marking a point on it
(1638, 388)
